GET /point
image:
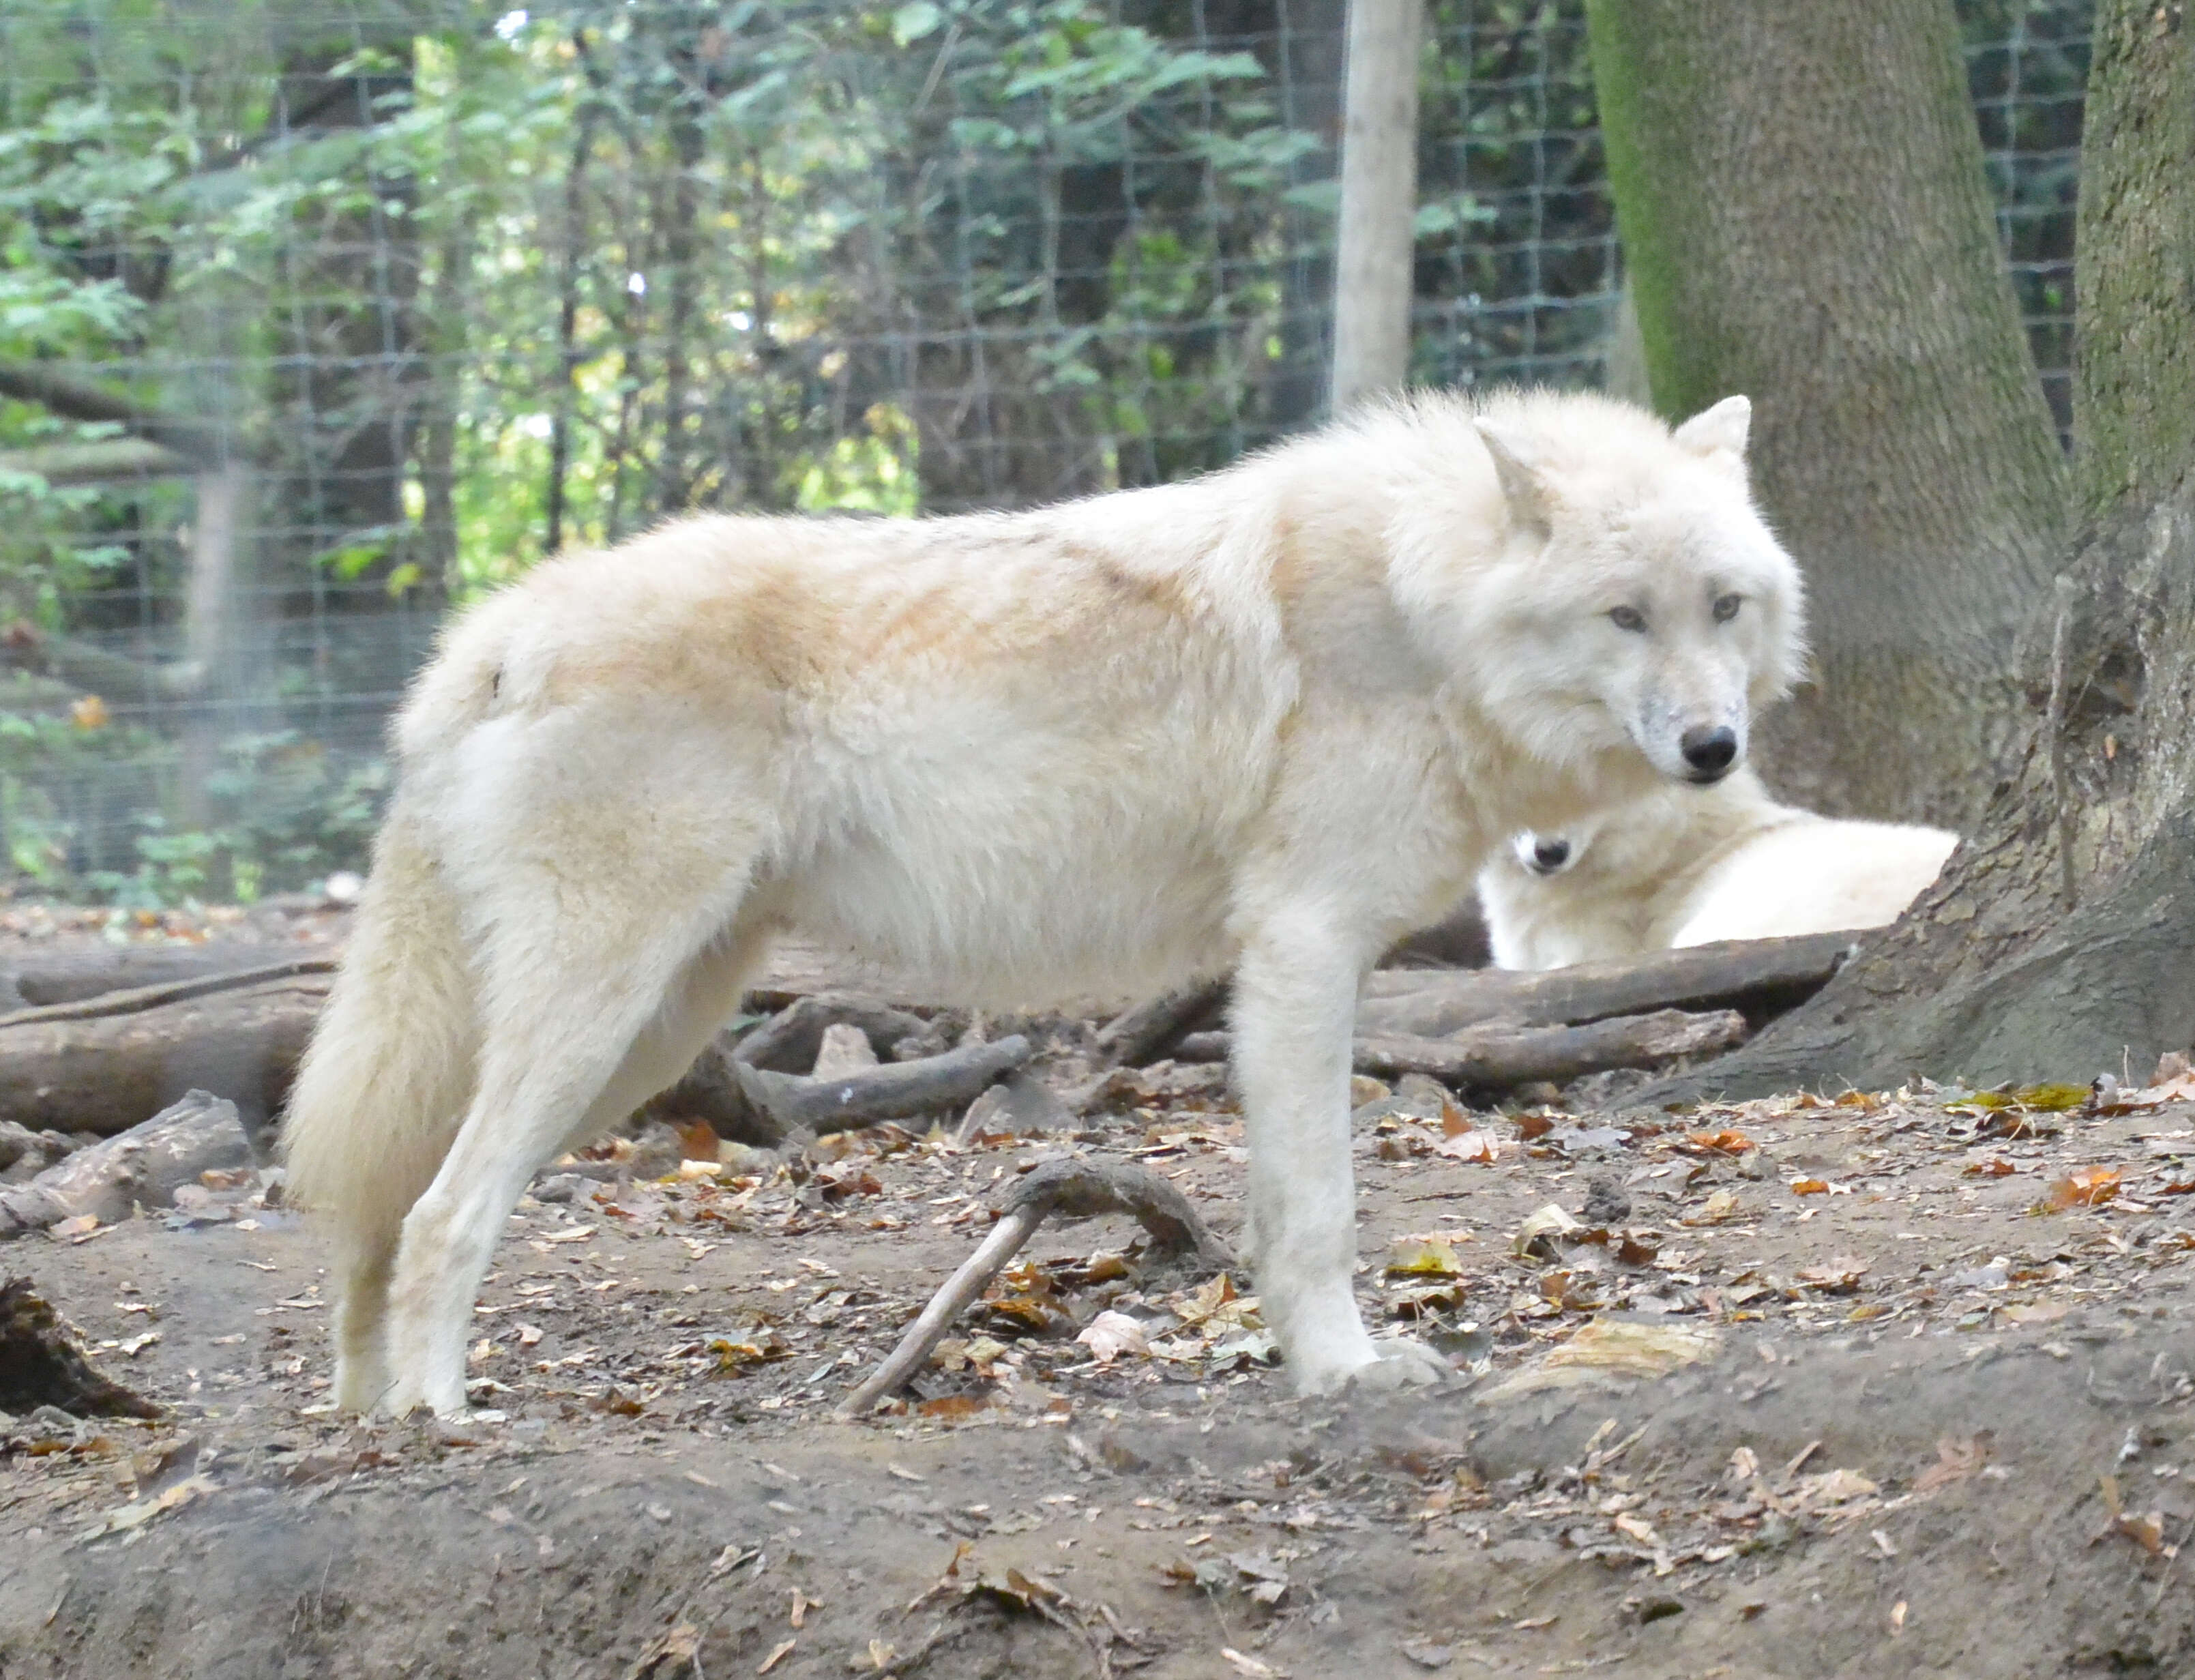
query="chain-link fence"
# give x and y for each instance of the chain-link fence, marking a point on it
(317, 318)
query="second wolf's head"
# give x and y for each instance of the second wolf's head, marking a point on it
(1638, 600)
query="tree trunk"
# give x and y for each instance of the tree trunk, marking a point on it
(1376, 232)
(1806, 220)
(2134, 261)
(2057, 943)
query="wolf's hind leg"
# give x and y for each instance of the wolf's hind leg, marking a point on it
(364, 1265)
(569, 1048)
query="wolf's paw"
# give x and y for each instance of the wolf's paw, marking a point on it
(1383, 1366)
(1401, 1364)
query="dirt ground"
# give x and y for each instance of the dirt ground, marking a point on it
(1899, 1384)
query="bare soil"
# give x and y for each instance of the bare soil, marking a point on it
(1925, 1428)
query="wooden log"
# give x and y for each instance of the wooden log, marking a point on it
(105, 1073)
(34, 976)
(1761, 977)
(1075, 1189)
(136, 999)
(897, 1091)
(142, 1167)
(1496, 1056)
(1148, 1032)
(789, 1041)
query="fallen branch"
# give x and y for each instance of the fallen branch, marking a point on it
(896, 1091)
(787, 1042)
(40, 976)
(142, 1167)
(140, 998)
(1761, 976)
(106, 1072)
(1151, 1031)
(1075, 1189)
(1494, 1057)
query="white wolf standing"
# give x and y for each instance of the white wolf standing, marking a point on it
(1271, 718)
(1681, 866)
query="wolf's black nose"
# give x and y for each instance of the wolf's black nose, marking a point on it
(1710, 752)
(1549, 855)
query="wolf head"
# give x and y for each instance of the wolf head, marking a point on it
(1639, 601)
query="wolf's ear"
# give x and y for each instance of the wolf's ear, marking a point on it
(1517, 464)
(1717, 432)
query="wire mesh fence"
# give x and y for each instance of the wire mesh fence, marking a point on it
(317, 319)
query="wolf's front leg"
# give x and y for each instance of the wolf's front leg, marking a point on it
(1294, 1010)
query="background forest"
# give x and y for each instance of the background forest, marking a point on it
(316, 319)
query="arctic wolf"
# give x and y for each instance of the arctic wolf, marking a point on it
(1690, 866)
(1270, 719)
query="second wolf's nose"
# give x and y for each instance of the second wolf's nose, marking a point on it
(1710, 752)
(1549, 855)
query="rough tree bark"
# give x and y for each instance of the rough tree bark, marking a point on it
(2058, 942)
(1806, 220)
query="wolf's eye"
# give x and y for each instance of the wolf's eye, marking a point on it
(1627, 618)
(1725, 608)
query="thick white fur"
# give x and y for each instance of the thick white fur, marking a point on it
(1688, 865)
(1272, 719)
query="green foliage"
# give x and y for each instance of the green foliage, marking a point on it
(466, 283)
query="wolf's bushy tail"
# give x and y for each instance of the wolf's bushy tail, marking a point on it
(385, 1082)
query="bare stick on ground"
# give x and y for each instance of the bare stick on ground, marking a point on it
(38, 977)
(1075, 1189)
(179, 991)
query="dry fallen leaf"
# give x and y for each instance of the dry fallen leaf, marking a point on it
(1838, 1276)
(1536, 1237)
(1111, 1334)
(1718, 1207)
(1809, 1187)
(671, 1655)
(1613, 1349)
(1957, 1458)
(1724, 1142)
(2145, 1531)
(776, 1656)
(1469, 1146)
(1998, 1168)
(2086, 1187)
(1250, 1665)
(1432, 1256)
(1638, 1529)
(951, 1406)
